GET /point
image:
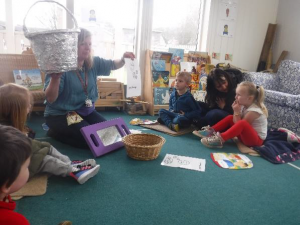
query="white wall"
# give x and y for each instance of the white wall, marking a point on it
(253, 17)
(287, 35)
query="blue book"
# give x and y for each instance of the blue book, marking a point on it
(177, 55)
(158, 65)
(161, 96)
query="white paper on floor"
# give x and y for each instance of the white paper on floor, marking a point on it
(184, 162)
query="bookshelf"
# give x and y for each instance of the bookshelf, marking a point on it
(148, 86)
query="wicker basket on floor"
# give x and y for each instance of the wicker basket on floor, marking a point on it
(143, 146)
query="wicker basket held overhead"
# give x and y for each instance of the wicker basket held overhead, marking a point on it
(55, 49)
(143, 146)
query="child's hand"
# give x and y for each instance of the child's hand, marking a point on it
(236, 107)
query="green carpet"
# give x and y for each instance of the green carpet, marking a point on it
(133, 192)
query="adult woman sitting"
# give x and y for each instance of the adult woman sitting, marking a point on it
(218, 100)
(70, 96)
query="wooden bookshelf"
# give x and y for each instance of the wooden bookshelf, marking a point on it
(148, 86)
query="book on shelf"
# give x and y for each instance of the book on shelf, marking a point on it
(31, 79)
(160, 78)
(199, 95)
(162, 56)
(177, 57)
(187, 66)
(161, 96)
(198, 57)
(158, 65)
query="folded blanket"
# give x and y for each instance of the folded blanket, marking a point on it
(278, 148)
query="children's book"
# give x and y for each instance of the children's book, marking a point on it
(199, 58)
(161, 96)
(138, 121)
(158, 65)
(231, 161)
(187, 66)
(160, 78)
(162, 56)
(203, 82)
(199, 95)
(30, 79)
(177, 57)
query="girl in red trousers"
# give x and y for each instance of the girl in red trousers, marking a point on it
(248, 122)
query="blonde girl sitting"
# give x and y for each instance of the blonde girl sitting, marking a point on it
(15, 105)
(248, 122)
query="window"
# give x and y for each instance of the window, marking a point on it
(176, 24)
(112, 24)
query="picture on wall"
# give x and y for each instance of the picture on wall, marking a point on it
(227, 11)
(226, 28)
(228, 57)
(215, 55)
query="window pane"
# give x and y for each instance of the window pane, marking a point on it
(175, 24)
(2, 13)
(112, 24)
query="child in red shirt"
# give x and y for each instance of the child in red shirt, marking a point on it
(14, 161)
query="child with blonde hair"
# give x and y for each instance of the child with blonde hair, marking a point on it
(182, 106)
(248, 122)
(15, 105)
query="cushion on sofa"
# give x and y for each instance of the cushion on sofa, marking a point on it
(289, 77)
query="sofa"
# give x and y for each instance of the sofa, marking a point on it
(282, 90)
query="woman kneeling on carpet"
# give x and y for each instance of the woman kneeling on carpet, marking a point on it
(71, 96)
(248, 123)
(15, 105)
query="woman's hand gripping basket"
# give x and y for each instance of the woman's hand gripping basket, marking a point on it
(143, 146)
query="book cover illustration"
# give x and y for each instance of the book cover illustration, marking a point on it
(198, 57)
(231, 161)
(177, 57)
(199, 95)
(161, 96)
(158, 65)
(203, 82)
(30, 79)
(162, 56)
(160, 78)
(187, 66)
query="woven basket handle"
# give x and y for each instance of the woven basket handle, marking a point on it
(24, 26)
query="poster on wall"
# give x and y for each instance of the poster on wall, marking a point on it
(226, 28)
(228, 57)
(227, 11)
(215, 55)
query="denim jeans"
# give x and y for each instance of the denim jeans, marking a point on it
(171, 117)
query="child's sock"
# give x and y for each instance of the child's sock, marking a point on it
(174, 127)
(88, 162)
(83, 173)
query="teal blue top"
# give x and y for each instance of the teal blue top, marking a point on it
(71, 96)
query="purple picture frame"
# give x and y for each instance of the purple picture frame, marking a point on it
(95, 143)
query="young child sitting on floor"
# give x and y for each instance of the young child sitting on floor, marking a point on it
(15, 154)
(248, 123)
(15, 105)
(182, 106)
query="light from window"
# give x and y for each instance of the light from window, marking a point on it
(175, 25)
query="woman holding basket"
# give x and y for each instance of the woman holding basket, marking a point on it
(70, 96)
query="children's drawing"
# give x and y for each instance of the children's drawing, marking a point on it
(133, 78)
(184, 162)
(232, 161)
